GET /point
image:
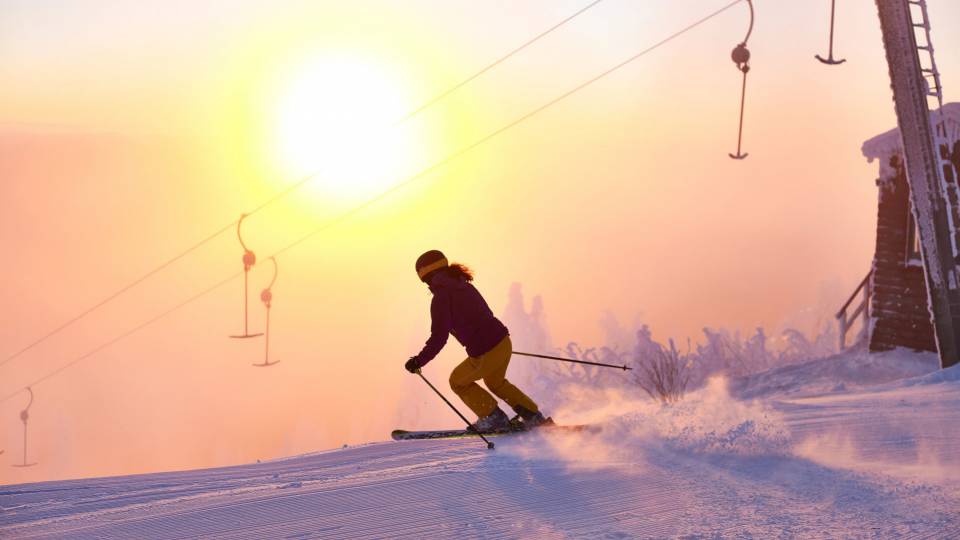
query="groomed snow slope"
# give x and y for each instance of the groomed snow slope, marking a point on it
(879, 462)
(835, 374)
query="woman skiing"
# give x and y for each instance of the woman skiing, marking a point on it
(458, 308)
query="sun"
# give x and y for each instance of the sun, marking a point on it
(336, 116)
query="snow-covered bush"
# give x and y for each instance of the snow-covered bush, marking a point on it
(662, 371)
(796, 347)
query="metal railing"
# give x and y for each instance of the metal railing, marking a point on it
(846, 320)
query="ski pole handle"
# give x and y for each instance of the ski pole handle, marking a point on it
(462, 417)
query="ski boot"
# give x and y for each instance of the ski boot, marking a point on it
(532, 419)
(494, 422)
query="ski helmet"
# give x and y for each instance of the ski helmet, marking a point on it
(430, 262)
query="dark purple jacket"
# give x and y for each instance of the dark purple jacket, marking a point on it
(457, 308)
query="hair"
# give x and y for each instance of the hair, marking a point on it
(459, 271)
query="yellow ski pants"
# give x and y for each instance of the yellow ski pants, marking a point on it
(492, 368)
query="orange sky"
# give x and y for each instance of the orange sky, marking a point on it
(127, 133)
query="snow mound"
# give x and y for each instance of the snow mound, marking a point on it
(707, 421)
(948, 375)
(710, 420)
(837, 373)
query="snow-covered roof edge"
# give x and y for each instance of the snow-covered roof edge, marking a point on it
(888, 143)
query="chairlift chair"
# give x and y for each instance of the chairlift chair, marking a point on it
(741, 57)
(249, 259)
(829, 60)
(24, 416)
(266, 296)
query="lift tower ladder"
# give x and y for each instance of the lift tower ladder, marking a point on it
(910, 81)
(919, 19)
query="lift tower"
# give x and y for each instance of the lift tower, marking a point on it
(900, 21)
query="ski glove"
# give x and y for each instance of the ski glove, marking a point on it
(412, 365)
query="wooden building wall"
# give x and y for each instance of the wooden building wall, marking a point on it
(899, 294)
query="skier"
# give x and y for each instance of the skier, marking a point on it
(458, 308)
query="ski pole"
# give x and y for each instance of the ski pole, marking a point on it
(445, 400)
(623, 367)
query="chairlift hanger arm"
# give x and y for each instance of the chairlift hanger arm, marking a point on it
(266, 296)
(275, 272)
(30, 403)
(750, 28)
(24, 416)
(249, 259)
(240, 236)
(25, 413)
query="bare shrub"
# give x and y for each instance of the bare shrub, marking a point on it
(662, 373)
(661, 370)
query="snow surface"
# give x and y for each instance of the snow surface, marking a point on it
(836, 373)
(783, 460)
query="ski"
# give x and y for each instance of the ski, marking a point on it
(404, 435)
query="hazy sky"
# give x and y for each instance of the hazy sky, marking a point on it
(129, 131)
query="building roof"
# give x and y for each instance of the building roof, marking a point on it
(887, 144)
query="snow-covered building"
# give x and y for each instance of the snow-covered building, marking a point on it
(893, 296)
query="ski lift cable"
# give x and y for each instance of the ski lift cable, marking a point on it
(285, 192)
(439, 97)
(424, 172)
(503, 58)
(125, 334)
(514, 123)
(116, 294)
